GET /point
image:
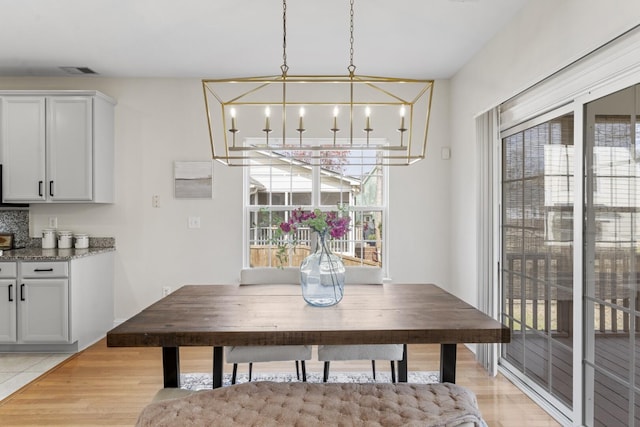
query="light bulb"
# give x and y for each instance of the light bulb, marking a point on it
(267, 113)
(368, 113)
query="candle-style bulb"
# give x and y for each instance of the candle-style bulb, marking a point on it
(233, 118)
(267, 113)
(335, 119)
(402, 111)
(301, 123)
(368, 113)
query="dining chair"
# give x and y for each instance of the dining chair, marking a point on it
(392, 352)
(268, 353)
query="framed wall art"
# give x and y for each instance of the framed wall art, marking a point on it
(193, 180)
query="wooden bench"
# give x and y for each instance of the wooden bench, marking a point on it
(266, 403)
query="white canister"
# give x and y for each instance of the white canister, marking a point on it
(48, 238)
(65, 238)
(82, 241)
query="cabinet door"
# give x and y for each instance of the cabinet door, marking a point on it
(43, 311)
(69, 148)
(22, 137)
(8, 298)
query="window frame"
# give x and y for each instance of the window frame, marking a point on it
(316, 172)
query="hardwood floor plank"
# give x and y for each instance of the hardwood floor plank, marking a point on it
(110, 386)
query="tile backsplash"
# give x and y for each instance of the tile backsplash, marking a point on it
(16, 221)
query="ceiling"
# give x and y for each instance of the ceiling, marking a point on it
(425, 39)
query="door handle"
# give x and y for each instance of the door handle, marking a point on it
(40, 270)
(22, 292)
(10, 293)
(40, 188)
(51, 188)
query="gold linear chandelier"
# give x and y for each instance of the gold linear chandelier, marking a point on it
(311, 118)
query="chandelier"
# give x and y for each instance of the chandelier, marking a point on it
(312, 118)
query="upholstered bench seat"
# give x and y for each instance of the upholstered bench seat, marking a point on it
(311, 404)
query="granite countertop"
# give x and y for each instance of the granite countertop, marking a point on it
(39, 254)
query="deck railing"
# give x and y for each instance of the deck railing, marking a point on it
(353, 248)
(543, 282)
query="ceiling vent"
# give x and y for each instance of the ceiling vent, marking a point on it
(78, 70)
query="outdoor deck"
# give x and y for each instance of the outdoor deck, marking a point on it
(542, 354)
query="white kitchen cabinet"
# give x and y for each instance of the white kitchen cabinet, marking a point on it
(55, 305)
(56, 147)
(43, 308)
(8, 303)
(39, 304)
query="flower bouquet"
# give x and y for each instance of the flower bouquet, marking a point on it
(322, 272)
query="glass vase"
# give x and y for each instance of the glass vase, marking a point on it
(322, 275)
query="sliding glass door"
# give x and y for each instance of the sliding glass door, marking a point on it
(542, 270)
(537, 253)
(612, 260)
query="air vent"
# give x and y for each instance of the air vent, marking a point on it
(78, 70)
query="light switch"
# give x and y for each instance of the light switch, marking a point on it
(194, 222)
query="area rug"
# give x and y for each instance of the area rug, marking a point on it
(200, 381)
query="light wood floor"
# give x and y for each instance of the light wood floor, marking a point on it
(110, 386)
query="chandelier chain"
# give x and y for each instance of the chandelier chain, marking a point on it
(284, 66)
(351, 67)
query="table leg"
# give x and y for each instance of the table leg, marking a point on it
(402, 366)
(171, 366)
(217, 367)
(448, 363)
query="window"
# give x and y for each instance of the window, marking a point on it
(274, 187)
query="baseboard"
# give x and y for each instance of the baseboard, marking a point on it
(39, 348)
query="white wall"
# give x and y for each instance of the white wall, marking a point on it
(419, 200)
(546, 36)
(159, 121)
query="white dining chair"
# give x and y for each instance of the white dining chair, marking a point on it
(268, 353)
(392, 352)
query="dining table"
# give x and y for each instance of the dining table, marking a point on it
(253, 315)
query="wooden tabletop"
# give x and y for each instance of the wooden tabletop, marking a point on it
(229, 315)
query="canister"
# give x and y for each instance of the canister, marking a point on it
(65, 239)
(48, 238)
(82, 240)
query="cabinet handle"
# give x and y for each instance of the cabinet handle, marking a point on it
(22, 292)
(10, 293)
(51, 188)
(40, 270)
(40, 188)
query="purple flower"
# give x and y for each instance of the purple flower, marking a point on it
(285, 226)
(336, 226)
